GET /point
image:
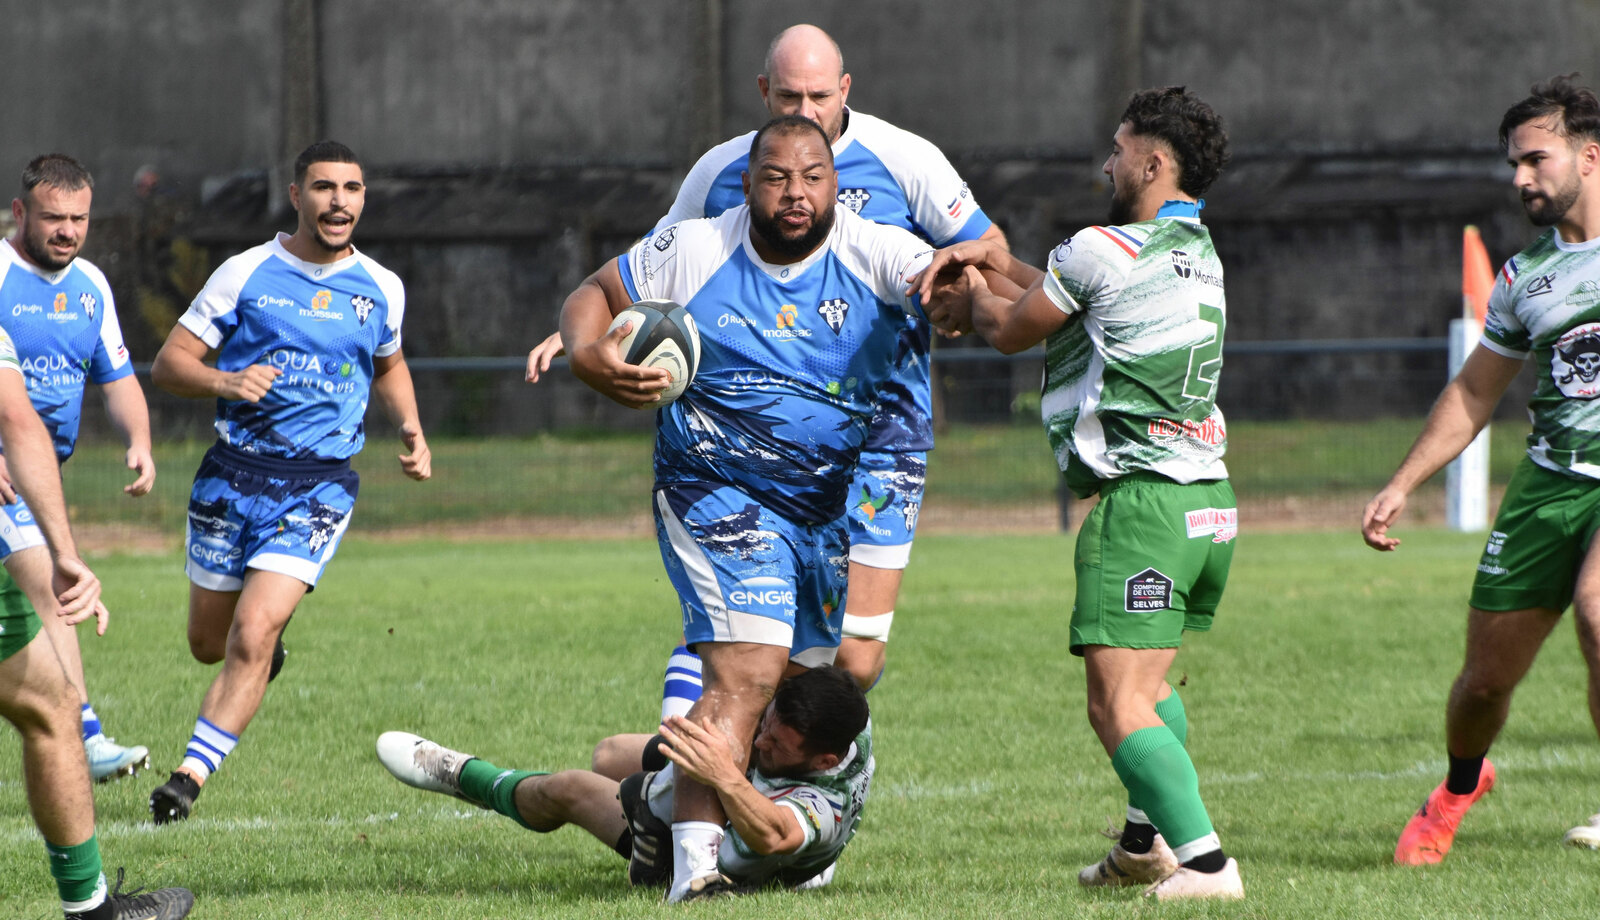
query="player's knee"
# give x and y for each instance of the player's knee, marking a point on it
(206, 646)
(606, 759)
(1485, 685)
(252, 639)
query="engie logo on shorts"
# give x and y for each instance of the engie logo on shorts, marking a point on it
(762, 591)
(1220, 524)
(1148, 590)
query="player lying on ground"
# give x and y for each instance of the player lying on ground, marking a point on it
(789, 816)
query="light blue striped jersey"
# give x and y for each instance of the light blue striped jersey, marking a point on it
(793, 357)
(889, 176)
(322, 325)
(64, 326)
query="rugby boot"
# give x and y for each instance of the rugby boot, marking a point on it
(161, 904)
(1431, 831)
(650, 863)
(1191, 884)
(422, 764)
(172, 800)
(1121, 868)
(109, 760)
(1585, 835)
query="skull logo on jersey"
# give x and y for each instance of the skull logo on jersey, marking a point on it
(854, 198)
(1575, 362)
(363, 307)
(87, 301)
(833, 311)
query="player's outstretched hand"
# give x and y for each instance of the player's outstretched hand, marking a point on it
(250, 384)
(8, 492)
(946, 266)
(1381, 512)
(78, 591)
(542, 354)
(599, 364)
(701, 752)
(144, 467)
(418, 463)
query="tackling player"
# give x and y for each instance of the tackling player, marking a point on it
(1540, 556)
(800, 305)
(790, 813)
(305, 328)
(62, 319)
(1132, 316)
(889, 176)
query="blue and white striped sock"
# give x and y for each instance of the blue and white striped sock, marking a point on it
(91, 722)
(682, 684)
(207, 748)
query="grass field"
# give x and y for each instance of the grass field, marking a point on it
(980, 478)
(1315, 706)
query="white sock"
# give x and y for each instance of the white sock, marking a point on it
(694, 854)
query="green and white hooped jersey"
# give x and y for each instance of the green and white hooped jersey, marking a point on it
(1130, 382)
(1546, 303)
(828, 805)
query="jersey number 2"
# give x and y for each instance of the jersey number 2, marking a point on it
(1205, 359)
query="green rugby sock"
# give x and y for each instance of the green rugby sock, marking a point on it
(76, 870)
(486, 784)
(1157, 772)
(1176, 718)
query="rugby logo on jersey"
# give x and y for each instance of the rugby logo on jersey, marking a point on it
(833, 312)
(363, 307)
(664, 239)
(1148, 590)
(1575, 362)
(87, 301)
(854, 198)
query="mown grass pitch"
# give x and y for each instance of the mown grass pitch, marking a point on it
(1316, 708)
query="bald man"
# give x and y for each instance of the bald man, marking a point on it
(889, 176)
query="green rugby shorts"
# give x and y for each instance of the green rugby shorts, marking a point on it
(18, 621)
(1152, 560)
(1540, 537)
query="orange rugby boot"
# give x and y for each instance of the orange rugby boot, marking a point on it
(1431, 831)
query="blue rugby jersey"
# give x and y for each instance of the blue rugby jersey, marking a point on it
(889, 176)
(321, 325)
(64, 326)
(793, 357)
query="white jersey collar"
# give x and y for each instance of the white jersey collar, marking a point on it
(1565, 246)
(312, 269)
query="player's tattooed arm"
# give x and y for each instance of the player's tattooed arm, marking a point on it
(180, 369)
(594, 353)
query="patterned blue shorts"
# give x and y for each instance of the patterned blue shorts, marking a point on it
(885, 499)
(249, 511)
(746, 574)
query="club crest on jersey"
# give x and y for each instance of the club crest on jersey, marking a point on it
(1182, 264)
(854, 198)
(363, 307)
(87, 301)
(833, 312)
(1575, 362)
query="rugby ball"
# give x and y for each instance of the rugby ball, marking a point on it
(664, 336)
